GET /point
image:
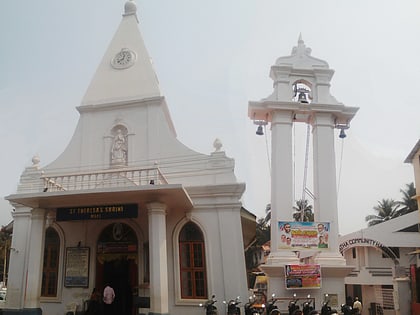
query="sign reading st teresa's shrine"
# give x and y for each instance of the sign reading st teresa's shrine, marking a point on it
(97, 212)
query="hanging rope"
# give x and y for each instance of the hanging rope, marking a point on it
(305, 169)
(341, 165)
(268, 151)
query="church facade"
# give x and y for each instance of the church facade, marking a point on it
(128, 205)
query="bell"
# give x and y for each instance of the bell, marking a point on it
(342, 134)
(302, 98)
(260, 131)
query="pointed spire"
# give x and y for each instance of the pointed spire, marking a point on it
(300, 40)
(301, 48)
(125, 72)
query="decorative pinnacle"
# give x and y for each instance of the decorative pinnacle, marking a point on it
(130, 8)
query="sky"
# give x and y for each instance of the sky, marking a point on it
(211, 59)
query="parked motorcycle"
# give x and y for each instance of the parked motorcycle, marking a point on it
(232, 306)
(209, 306)
(293, 305)
(271, 307)
(347, 309)
(250, 308)
(307, 306)
(326, 309)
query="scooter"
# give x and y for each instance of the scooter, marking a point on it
(293, 305)
(249, 307)
(326, 309)
(211, 309)
(307, 306)
(271, 307)
(347, 309)
(232, 306)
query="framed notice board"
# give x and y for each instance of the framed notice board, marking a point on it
(77, 267)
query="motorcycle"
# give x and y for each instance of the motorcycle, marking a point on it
(347, 309)
(307, 307)
(293, 305)
(326, 309)
(209, 306)
(232, 306)
(250, 308)
(271, 307)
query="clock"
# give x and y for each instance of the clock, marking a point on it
(123, 59)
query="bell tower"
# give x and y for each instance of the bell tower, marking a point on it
(301, 95)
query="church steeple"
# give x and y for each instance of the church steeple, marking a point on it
(125, 72)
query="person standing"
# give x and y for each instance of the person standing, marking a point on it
(357, 305)
(94, 303)
(108, 298)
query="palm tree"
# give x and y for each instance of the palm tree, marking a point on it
(303, 211)
(408, 202)
(386, 209)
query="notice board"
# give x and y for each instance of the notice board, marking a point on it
(77, 267)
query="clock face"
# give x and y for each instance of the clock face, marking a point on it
(123, 59)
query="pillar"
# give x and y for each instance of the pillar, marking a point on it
(25, 268)
(282, 173)
(158, 259)
(325, 183)
(36, 253)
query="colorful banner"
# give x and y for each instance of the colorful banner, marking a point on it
(303, 276)
(303, 235)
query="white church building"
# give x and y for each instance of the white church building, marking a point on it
(127, 204)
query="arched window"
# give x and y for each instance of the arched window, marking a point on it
(51, 263)
(192, 262)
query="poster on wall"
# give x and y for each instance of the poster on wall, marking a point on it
(77, 267)
(303, 276)
(303, 235)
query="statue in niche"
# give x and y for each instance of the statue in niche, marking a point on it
(119, 149)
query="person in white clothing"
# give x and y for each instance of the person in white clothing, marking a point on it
(108, 298)
(357, 305)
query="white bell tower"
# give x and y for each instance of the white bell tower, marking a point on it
(302, 95)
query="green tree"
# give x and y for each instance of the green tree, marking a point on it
(263, 232)
(386, 209)
(303, 211)
(254, 253)
(408, 203)
(267, 217)
(5, 241)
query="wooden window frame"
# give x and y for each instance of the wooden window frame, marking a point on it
(50, 268)
(194, 267)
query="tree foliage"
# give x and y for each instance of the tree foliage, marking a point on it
(408, 203)
(303, 211)
(388, 209)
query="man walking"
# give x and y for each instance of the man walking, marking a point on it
(357, 305)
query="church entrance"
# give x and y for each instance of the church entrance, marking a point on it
(117, 265)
